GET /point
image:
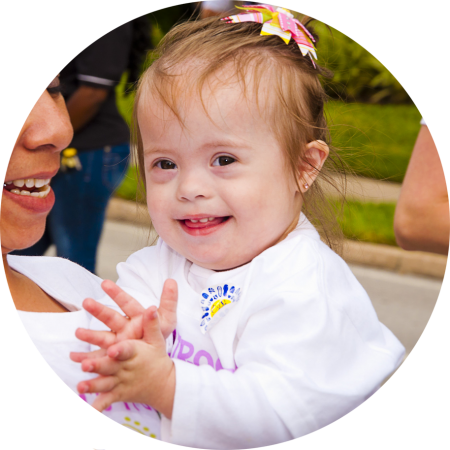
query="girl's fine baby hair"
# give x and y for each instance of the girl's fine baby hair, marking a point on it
(285, 85)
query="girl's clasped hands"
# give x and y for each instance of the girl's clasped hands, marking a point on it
(132, 362)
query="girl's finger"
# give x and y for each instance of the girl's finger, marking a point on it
(99, 384)
(102, 366)
(126, 302)
(104, 401)
(151, 327)
(168, 307)
(102, 339)
(112, 319)
(123, 350)
(81, 356)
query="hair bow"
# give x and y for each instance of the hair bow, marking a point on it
(279, 22)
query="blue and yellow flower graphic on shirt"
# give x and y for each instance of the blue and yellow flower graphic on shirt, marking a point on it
(213, 302)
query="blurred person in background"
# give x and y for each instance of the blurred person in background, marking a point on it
(96, 160)
(215, 8)
(422, 219)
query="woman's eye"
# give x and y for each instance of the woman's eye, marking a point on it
(223, 161)
(165, 164)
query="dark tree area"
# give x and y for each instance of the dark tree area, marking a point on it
(168, 16)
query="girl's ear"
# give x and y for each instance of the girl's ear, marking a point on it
(315, 155)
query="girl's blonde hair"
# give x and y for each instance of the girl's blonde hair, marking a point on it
(293, 105)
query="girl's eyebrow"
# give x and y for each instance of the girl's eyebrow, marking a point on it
(226, 143)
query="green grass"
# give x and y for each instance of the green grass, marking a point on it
(369, 222)
(376, 141)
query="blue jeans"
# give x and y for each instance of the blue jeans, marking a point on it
(75, 223)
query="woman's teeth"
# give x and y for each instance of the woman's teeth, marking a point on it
(206, 219)
(30, 182)
(34, 187)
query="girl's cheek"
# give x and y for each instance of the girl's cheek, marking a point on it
(160, 176)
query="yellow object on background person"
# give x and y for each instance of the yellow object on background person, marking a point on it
(70, 160)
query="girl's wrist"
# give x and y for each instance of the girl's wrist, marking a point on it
(165, 399)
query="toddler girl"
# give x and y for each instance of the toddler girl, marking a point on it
(275, 338)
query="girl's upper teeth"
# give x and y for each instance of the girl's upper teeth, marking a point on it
(206, 219)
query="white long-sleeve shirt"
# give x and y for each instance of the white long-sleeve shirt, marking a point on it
(299, 348)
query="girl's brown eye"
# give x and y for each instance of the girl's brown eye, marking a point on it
(223, 161)
(165, 164)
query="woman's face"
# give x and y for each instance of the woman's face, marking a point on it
(27, 198)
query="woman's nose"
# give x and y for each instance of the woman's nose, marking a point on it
(48, 125)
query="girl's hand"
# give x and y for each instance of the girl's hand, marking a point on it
(134, 370)
(125, 327)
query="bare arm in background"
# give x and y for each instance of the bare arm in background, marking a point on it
(422, 220)
(84, 104)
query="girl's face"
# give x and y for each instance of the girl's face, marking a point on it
(218, 191)
(27, 197)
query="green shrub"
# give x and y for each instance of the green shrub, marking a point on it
(375, 141)
(358, 75)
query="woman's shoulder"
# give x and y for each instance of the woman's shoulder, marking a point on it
(64, 280)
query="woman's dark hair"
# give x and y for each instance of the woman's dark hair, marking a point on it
(140, 45)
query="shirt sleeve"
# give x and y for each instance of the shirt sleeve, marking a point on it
(102, 64)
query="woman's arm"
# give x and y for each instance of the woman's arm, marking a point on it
(84, 104)
(422, 216)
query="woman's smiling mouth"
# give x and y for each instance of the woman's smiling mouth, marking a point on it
(32, 193)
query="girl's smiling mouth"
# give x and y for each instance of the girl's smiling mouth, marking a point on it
(202, 225)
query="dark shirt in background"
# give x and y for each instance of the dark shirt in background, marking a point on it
(101, 65)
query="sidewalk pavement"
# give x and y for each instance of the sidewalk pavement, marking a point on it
(362, 253)
(368, 190)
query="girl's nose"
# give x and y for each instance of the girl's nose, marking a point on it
(193, 186)
(48, 125)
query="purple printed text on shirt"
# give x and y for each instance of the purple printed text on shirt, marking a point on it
(185, 351)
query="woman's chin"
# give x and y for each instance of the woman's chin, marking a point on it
(20, 237)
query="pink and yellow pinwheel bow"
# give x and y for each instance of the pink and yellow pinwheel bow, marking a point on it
(279, 22)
